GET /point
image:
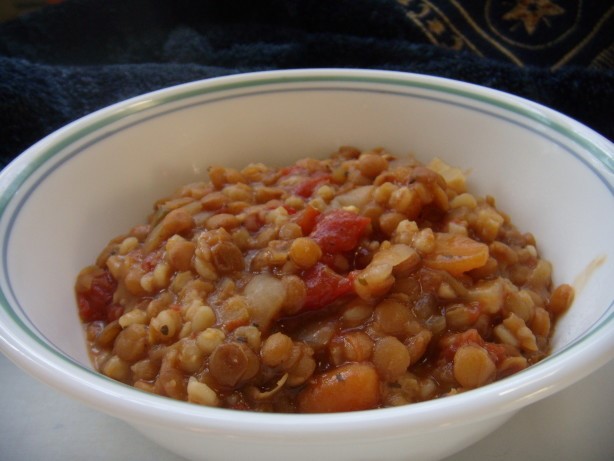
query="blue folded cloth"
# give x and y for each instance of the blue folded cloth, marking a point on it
(64, 61)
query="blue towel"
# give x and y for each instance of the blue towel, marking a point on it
(64, 61)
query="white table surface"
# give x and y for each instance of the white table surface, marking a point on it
(39, 423)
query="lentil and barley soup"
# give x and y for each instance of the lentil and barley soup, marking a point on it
(355, 282)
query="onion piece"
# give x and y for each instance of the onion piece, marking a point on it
(394, 255)
(265, 296)
(358, 197)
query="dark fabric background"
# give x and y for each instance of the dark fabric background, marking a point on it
(62, 62)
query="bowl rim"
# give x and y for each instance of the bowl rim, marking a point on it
(551, 375)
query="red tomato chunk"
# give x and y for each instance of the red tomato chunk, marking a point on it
(324, 286)
(339, 231)
(306, 188)
(97, 302)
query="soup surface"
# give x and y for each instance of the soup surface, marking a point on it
(355, 282)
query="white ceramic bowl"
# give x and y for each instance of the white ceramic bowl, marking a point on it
(65, 197)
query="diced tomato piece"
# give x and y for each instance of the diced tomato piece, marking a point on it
(306, 188)
(114, 311)
(94, 304)
(339, 231)
(307, 219)
(324, 286)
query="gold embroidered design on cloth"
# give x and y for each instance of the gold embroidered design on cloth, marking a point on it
(532, 12)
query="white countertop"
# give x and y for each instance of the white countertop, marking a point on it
(39, 423)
